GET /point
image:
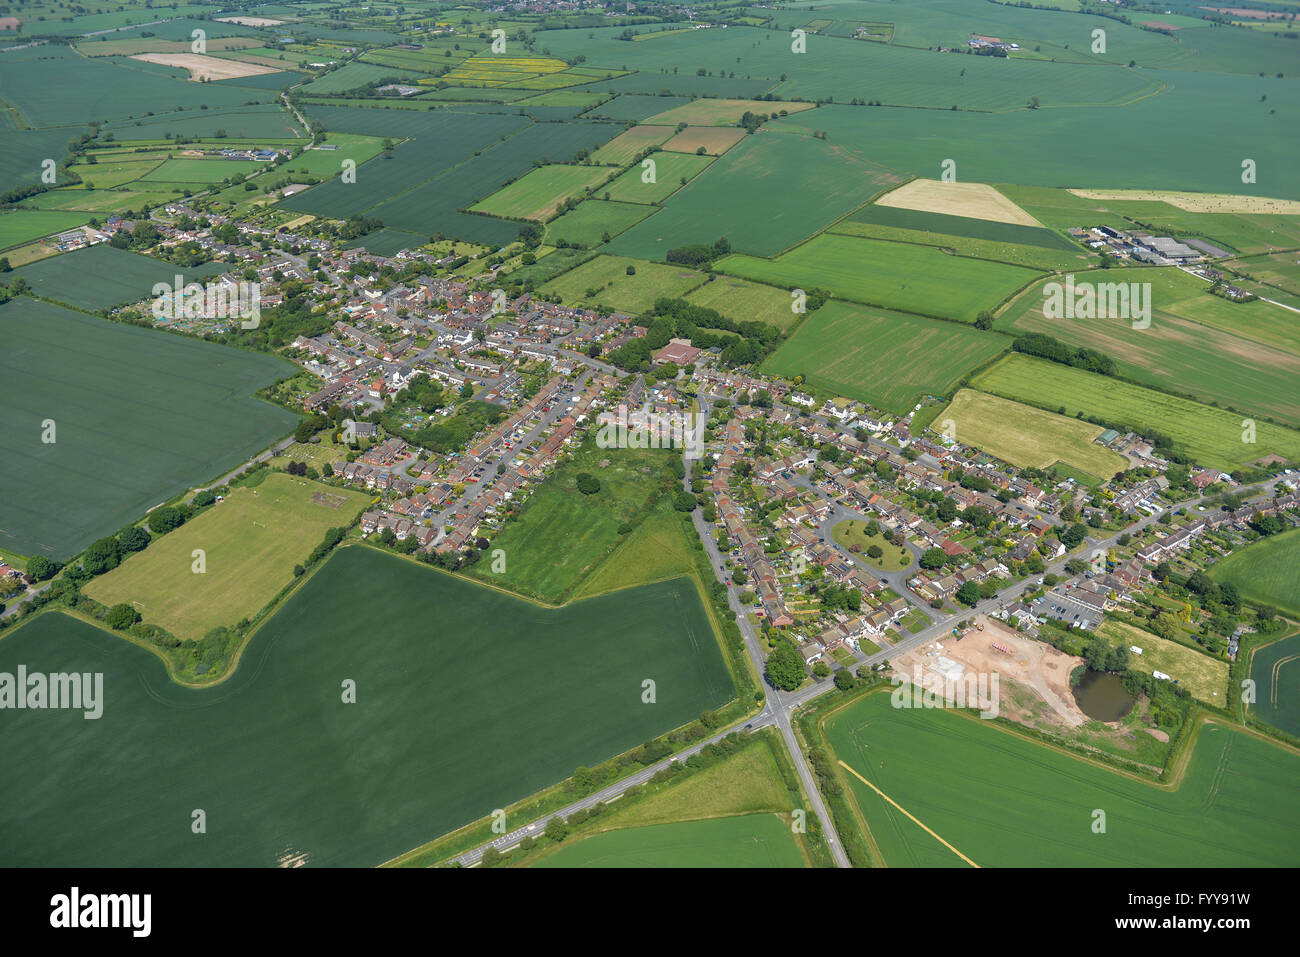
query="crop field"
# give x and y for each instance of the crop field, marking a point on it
(1002, 800)
(588, 223)
(562, 536)
(98, 277)
(750, 840)
(250, 541)
(351, 76)
(636, 107)
(917, 279)
(879, 357)
(539, 194)
(1265, 571)
(744, 301)
(103, 176)
(139, 415)
(1025, 436)
(604, 280)
(199, 170)
(1035, 257)
(967, 200)
(714, 140)
(21, 226)
(1275, 669)
(622, 148)
(1278, 269)
(710, 112)
(767, 193)
(1204, 676)
(1177, 352)
(1213, 437)
(439, 737)
(670, 170)
(950, 225)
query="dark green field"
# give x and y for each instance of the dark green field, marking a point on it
(452, 719)
(1275, 670)
(101, 277)
(139, 416)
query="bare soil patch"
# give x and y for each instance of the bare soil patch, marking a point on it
(972, 200)
(210, 67)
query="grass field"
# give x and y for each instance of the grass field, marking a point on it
(1025, 436)
(622, 148)
(1006, 801)
(100, 277)
(668, 172)
(1019, 254)
(1266, 571)
(884, 358)
(440, 734)
(539, 194)
(588, 223)
(714, 140)
(655, 550)
(1203, 676)
(1275, 669)
(251, 541)
(139, 415)
(1231, 354)
(750, 840)
(23, 225)
(854, 532)
(745, 301)
(1212, 436)
(561, 536)
(604, 280)
(918, 279)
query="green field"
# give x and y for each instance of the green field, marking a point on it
(1204, 676)
(200, 171)
(604, 280)
(23, 225)
(918, 279)
(653, 551)
(139, 416)
(588, 223)
(1265, 571)
(561, 536)
(1006, 801)
(669, 170)
(1218, 351)
(439, 734)
(883, 358)
(100, 277)
(1025, 436)
(746, 301)
(854, 532)
(1035, 257)
(1275, 669)
(251, 542)
(622, 148)
(541, 193)
(751, 840)
(1214, 437)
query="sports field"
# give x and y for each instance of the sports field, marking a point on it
(751, 840)
(1001, 800)
(138, 416)
(539, 194)
(441, 732)
(1204, 676)
(1025, 436)
(604, 280)
(918, 279)
(1214, 437)
(1218, 351)
(251, 542)
(1275, 669)
(884, 358)
(100, 277)
(1265, 571)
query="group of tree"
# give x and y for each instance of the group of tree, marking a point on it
(1045, 347)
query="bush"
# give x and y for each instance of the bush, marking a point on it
(588, 484)
(121, 617)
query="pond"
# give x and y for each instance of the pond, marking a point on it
(1102, 696)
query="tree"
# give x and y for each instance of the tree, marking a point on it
(933, 558)
(588, 484)
(784, 668)
(969, 594)
(556, 829)
(984, 320)
(121, 617)
(844, 680)
(491, 856)
(133, 539)
(685, 502)
(821, 669)
(875, 551)
(102, 555)
(41, 568)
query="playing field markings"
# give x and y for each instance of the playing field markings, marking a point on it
(1276, 677)
(908, 814)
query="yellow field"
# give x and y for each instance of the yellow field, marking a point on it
(209, 67)
(1203, 676)
(250, 543)
(1199, 202)
(1025, 436)
(710, 112)
(972, 200)
(716, 140)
